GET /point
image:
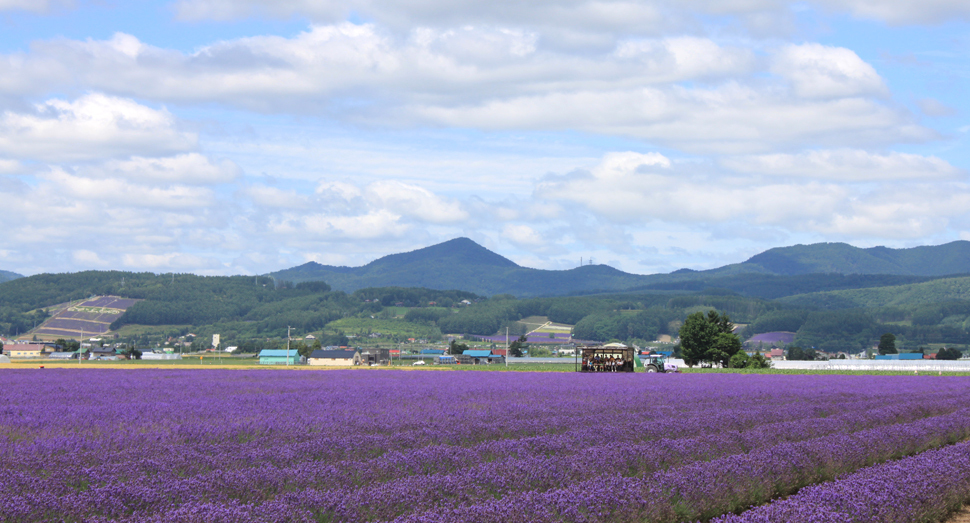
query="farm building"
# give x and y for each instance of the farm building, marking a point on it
(279, 357)
(432, 352)
(378, 356)
(161, 355)
(4, 359)
(903, 356)
(62, 355)
(25, 350)
(476, 357)
(103, 353)
(336, 358)
(445, 359)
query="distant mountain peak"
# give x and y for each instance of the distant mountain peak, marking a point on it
(458, 250)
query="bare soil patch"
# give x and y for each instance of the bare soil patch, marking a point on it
(961, 516)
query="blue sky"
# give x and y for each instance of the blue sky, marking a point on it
(247, 136)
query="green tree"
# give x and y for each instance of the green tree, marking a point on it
(696, 336)
(887, 344)
(797, 353)
(726, 346)
(708, 339)
(949, 354)
(517, 346)
(455, 348)
(739, 360)
(759, 362)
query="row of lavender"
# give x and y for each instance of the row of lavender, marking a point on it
(378, 446)
(924, 488)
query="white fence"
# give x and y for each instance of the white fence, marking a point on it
(891, 365)
(156, 356)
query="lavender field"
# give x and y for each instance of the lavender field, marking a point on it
(258, 445)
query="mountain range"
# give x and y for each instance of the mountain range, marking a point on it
(465, 265)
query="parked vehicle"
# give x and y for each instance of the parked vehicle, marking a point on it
(658, 363)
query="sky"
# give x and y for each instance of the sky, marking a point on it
(225, 137)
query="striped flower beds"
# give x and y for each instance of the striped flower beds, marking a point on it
(920, 489)
(186, 446)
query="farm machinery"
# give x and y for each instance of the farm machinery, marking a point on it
(658, 363)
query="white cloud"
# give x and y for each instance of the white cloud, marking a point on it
(687, 92)
(313, 70)
(729, 119)
(933, 107)
(191, 168)
(578, 15)
(904, 12)
(170, 261)
(88, 258)
(124, 193)
(643, 188)
(92, 127)
(318, 226)
(415, 202)
(272, 197)
(586, 15)
(819, 71)
(524, 236)
(846, 165)
(10, 166)
(33, 6)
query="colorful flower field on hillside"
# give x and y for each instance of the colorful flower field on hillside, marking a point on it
(360, 445)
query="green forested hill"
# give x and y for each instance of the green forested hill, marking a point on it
(463, 264)
(936, 260)
(935, 291)
(7, 276)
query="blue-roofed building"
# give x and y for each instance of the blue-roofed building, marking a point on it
(475, 357)
(903, 356)
(279, 357)
(433, 352)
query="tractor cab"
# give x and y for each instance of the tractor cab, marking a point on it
(658, 363)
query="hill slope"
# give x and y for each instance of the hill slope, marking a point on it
(7, 276)
(463, 264)
(935, 291)
(936, 260)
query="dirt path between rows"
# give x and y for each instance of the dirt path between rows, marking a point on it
(961, 516)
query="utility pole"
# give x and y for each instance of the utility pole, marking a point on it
(507, 347)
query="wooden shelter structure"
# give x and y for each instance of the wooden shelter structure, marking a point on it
(612, 357)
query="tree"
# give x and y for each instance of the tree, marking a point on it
(708, 339)
(949, 354)
(887, 344)
(455, 348)
(303, 349)
(726, 346)
(797, 353)
(759, 362)
(517, 346)
(696, 336)
(739, 360)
